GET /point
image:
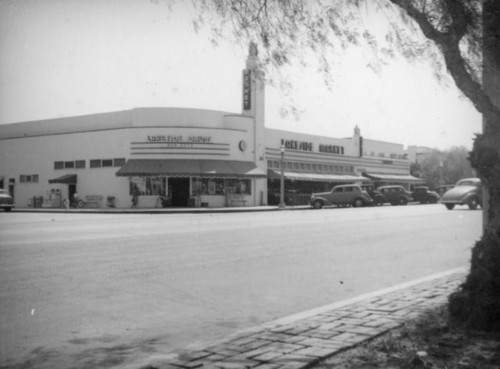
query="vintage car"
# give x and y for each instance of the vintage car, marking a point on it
(395, 195)
(422, 195)
(467, 191)
(342, 196)
(375, 195)
(6, 200)
(440, 190)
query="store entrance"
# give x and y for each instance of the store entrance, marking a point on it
(178, 189)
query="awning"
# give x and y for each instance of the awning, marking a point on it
(394, 178)
(316, 177)
(194, 168)
(66, 179)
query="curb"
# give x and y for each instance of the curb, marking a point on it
(305, 339)
(158, 210)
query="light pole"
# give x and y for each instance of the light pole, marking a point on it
(282, 178)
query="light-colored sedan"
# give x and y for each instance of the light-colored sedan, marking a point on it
(467, 191)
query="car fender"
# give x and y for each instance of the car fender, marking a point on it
(322, 199)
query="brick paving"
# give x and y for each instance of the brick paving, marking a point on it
(301, 342)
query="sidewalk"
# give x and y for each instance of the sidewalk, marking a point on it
(303, 340)
(158, 210)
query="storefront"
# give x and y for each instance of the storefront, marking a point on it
(194, 183)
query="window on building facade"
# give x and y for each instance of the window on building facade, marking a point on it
(106, 163)
(80, 164)
(69, 164)
(59, 165)
(28, 178)
(96, 163)
(119, 162)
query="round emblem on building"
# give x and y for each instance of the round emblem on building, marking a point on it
(242, 145)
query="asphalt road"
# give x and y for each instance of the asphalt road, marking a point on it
(113, 290)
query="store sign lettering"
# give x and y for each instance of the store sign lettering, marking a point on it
(297, 145)
(308, 146)
(179, 139)
(331, 149)
(247, 89)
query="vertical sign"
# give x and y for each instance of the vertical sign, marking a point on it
(247, 89)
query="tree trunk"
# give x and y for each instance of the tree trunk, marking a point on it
(478, 301)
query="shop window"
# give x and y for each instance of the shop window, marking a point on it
(295, 165)
(313, 166)
(147, 186)
(302, 166)
(80, 164)
(308, 166)
(119, 162)
(59, 165)
(330, 168)
(96, 163)
(106, 163)
(69, 164)
(289, 165)
(220, 186)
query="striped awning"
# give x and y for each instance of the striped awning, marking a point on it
(404, 178)
(190, 168)
(317, 177)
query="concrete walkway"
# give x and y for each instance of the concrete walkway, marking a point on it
(305, 339)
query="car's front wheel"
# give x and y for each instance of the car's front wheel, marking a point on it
(473, 203)
(379, 201)
(449, 206)
(403, 201)
(317, 204)
(358, 203)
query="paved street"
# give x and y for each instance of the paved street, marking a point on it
(130, 286)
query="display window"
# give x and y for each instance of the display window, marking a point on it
(148, 186)
(220, 186)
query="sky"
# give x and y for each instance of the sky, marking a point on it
(61, 58)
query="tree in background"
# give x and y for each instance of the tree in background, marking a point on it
(443, 167)
(459, 38)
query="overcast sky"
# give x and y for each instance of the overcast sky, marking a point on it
(62, 58)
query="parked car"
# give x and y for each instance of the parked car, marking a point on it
(6, 200)
(467, 191)
(395, 195)
(440, 190)
(342, 196)
(376, 196)
(424, 196)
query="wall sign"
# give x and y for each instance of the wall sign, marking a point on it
(297, 145)
(308, 146)
(247, 89)
(179, 139)
(331, 149)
